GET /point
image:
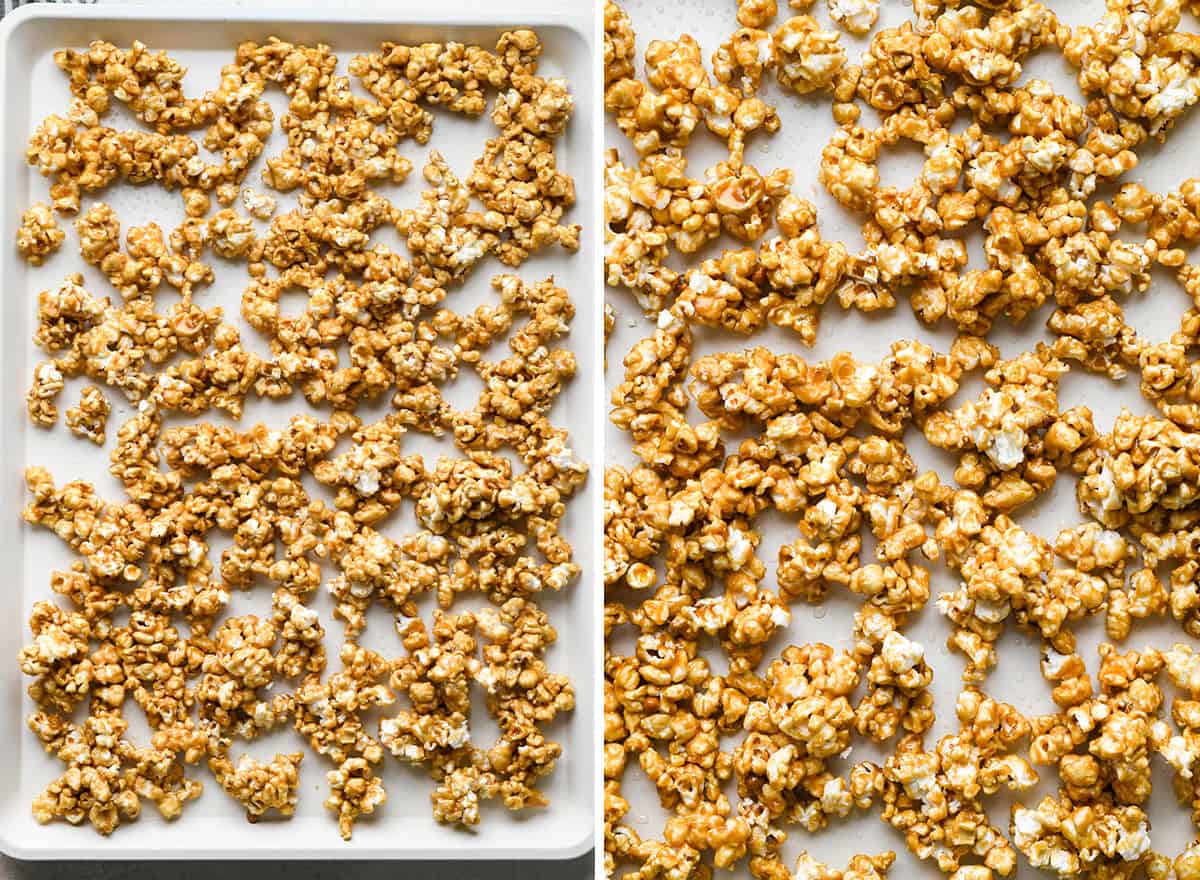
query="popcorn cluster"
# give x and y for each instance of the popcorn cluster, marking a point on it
(376, 324)
(720, 440)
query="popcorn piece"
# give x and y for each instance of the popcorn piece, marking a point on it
(808, 58)
(355, 792)
(756, 13)
(106, 775)
(38, 236)
(1112, 836)
(47, 384)
(261, 787)
(89, 418)
(258, 205)
(856, 16)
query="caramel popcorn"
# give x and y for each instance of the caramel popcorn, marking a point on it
(996, 434)
(1135, 60)
(1050, 839)
(90, 416)
(38, 236)
(936, 797)
(1021, 212)
(261, 787)
(807, 58)
(354, 792)
(82, 155)
(258, 205)
(861, 867)
(756, 13)
(106, 777)
(856, 16)
(153, 608)
(48, 382)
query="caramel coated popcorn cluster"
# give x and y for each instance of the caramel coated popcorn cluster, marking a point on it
(757, 745)
(147, 606)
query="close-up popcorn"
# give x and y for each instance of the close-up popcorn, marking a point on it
(901, 493)
(147, 670)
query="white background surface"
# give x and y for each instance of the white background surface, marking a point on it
(406, 813)
(806, 127)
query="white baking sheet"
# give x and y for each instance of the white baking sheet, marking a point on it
(203, 37)
(806, 127)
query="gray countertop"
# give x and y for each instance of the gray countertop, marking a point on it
(576, 869)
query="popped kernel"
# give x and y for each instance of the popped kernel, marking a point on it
(856, 16)
(39, 236)
(89, 417)
(807, 58)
